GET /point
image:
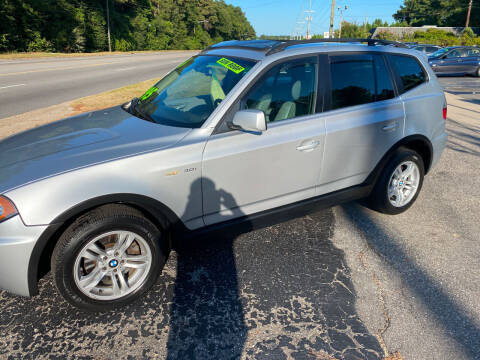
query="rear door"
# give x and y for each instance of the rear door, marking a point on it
(364, 120)
(245, 172)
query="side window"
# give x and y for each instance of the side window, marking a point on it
(432, 49)
(409, 70)
(454, 54)
(286, 91)
(359, 79)
(473, 52)
(353, 80)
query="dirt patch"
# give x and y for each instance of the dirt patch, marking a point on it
(15, 124)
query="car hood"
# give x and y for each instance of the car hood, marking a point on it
(77, 142)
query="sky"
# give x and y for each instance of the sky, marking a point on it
(280, 17)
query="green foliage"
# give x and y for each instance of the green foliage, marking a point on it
(81, 25)
(39, 44)
(436, 37)
(437, 12)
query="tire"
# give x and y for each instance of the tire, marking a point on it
(477, 73)
(86, 251)
(388, 202)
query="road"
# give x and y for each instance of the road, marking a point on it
(29, 84)
(344, 281)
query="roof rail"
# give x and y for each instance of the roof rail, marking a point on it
(371, 42)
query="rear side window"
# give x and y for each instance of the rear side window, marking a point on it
(473, 52)
(409, 70)
(359, 79)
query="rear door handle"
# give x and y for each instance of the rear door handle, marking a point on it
(310, 146)
(390, 127)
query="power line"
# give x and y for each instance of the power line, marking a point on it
(309, 18)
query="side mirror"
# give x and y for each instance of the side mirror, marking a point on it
(250, 120)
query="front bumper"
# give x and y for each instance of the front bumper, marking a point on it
(16, 245)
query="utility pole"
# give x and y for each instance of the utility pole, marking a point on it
(108, 29)
(468, 14)
(332, 16)
(341, 13)
(309, 18)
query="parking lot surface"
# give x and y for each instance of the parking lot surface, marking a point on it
(340, 283)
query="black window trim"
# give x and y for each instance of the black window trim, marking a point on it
(398, 79)
(322, 58)
(388, 65)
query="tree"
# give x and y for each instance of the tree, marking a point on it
(80, 25)
(437, 12)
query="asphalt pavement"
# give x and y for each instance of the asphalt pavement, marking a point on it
(29, 84)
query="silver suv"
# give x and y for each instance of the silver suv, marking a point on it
(243, 129)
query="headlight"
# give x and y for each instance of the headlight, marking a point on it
(7, 209)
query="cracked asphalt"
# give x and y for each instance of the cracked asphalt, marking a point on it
(340, 283)
(283, 291)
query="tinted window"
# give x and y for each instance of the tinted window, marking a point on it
(353, 81)
(432, 49)
(359, 80)
(286, 91)
(409, 70)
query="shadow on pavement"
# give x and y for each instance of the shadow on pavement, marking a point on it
(440, 304)
(281, 291)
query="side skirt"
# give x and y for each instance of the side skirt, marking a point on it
(277, 215)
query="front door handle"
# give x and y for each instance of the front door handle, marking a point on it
(310, 146)
(390, 127)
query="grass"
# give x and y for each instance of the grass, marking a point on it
(110, 98)
(32, 55)
(17, 123)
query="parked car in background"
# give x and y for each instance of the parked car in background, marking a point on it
(427, 48)
(244, 128)
(456, 60)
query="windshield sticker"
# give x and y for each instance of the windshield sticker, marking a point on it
(182, 64)
(230, 65)
(149, 93)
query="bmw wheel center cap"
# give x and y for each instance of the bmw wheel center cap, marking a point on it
(113, 263)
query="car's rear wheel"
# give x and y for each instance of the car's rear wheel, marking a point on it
(107, 258)
(477, 73)
(399, 184)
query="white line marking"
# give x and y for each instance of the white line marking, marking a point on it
(126, 69)
(9, 86)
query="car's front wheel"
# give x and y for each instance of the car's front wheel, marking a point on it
(399, 184)
(107, 258)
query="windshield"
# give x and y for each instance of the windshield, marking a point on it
(439, 52)
(188, 95)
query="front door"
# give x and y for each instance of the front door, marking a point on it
(244, 172)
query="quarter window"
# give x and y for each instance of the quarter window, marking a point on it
(410, 72)
(286, 91)
(359, 79)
